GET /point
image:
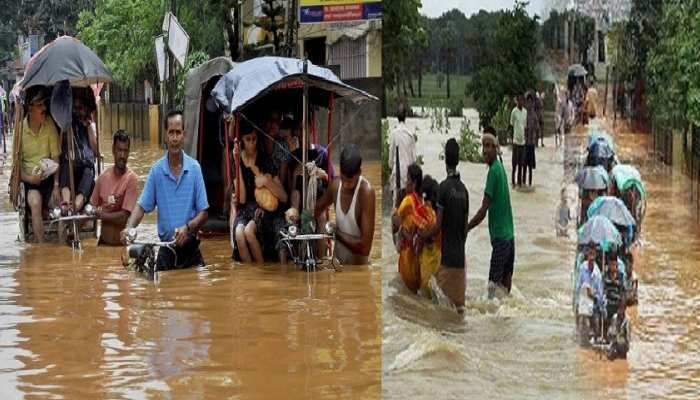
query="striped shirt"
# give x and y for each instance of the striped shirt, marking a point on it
(613, 292)
(178, 199)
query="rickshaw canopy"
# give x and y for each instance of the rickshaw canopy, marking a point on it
(66, 58)
(596, 136)
(600, 231)
(627, 176)
(615, 210)
(593, 178)
(194, 83)
(252, 79)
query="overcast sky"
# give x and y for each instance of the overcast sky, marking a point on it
(435, 8)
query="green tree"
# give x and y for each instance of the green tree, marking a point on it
(421, 51)
(506, 61)
(447, 51)
(122, 33)
(46, 18)
(401, 25)
(672, 69)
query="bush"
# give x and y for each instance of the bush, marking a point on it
(501, 122)
(469, 145)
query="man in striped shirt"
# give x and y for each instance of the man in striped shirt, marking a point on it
(613, 286)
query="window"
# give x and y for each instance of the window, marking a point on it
(351, 55)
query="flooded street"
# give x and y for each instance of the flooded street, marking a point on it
(524, 346)
(80, 326)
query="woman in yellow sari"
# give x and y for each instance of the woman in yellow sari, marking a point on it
(411, 216)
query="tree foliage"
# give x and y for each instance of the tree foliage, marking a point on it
(47, 18)
(672, 67)
(506, 61)
(402, 31)
(122, 32)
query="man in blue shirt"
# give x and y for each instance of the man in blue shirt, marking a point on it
(175, 185)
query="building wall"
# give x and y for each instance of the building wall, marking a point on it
(374, 40)
(371, 43)
(360, 66)
(358, 124)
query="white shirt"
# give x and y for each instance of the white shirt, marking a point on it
(402, 138)
(518, 119)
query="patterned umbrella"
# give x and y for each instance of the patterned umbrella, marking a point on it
(627, 176)
(615, 210)
(596, 136)
(600, 231)
(593, 178)
(601, 149)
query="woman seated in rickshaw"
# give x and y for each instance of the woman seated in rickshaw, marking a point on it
(259, 198)
(85, 151)
(39, 154)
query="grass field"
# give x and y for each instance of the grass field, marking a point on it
(432, 95)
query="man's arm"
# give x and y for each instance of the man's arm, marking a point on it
(413, 157)
(362, 245)
(92, 137)
(33, 179)
(134, 221)
(466, 214)
(195, 223)
(327, 199)
(275, 187)
(481, 214)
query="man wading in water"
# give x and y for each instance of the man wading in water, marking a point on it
(354, 201)
(452, 217)
(497, 202)
(175, 185)
(115, 192)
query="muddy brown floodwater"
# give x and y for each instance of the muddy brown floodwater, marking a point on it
(524, 346)
(80, 326)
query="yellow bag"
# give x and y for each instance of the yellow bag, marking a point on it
(263, 195)
(266, 199)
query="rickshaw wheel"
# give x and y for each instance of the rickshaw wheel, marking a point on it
(22, 212)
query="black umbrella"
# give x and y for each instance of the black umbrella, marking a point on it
(62, 105)
(66, 58)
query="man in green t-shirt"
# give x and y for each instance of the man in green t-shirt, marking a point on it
(497, 202)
